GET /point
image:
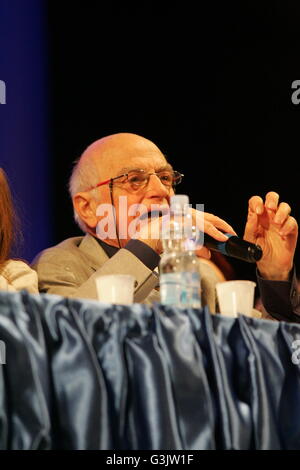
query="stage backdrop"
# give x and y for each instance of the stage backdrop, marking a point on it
(24, 144)
(212, 88)
(210, 84)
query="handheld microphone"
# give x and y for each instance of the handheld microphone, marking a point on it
(235, 247)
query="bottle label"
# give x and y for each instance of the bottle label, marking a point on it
(180, 289)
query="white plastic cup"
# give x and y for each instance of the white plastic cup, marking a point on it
(115, 288)
(235, 297)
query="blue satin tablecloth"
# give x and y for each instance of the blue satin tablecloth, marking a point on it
(85, 375)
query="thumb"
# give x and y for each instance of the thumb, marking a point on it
(203, 252)
(251, 227)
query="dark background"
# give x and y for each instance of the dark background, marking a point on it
(208, 82)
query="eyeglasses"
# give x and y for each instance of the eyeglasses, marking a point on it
(138, 179)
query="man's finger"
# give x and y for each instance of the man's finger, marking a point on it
(256, 205)
(203, 252)
(289, 227)
(218, 223)
(271, 200)
(214, 232)
(251, 227)
(282, 213)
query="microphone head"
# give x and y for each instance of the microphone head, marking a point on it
(255, 253)
(243, 250)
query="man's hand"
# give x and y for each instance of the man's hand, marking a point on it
(208, 223)
(213, 226)
(270, 225)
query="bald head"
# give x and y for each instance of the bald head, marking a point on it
(114, 151)
(104, 159)
(104, 156)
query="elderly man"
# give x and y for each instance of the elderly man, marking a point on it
(129, 168)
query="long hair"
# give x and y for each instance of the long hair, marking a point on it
(8, 219)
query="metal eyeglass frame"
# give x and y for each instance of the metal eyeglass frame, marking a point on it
(110, 182)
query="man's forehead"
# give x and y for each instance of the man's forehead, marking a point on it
(159, 167)
(145, 162)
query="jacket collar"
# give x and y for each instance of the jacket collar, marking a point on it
(93, 251)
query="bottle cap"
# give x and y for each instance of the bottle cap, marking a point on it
(179, 202)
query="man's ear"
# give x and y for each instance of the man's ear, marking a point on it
(85, 207)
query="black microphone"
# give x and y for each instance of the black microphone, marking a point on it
(235, 247)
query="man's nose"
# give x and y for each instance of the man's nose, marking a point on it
(157, 187)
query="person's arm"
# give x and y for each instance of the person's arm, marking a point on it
(270, 225)
(63, 273)
(17, 276)
(214, 226)
(281, 299)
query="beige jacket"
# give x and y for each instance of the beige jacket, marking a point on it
(17, 275)
(71, 267)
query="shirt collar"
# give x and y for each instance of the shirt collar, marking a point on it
(109, 250)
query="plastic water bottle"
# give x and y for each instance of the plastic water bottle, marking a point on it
(179, 265)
